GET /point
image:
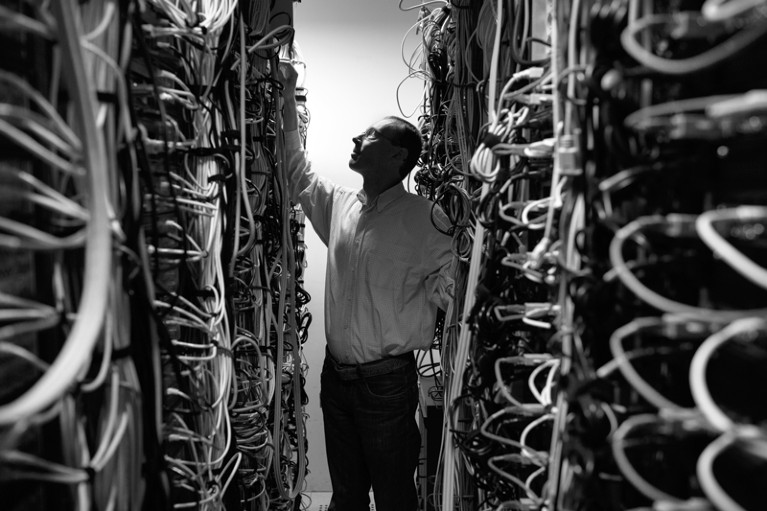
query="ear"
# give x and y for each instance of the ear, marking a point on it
(401, 153)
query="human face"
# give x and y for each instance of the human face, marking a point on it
(373, 134)
(373, 148)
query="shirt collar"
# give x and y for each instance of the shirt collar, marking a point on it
(384, 199)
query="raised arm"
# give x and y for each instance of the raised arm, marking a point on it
(315, 193)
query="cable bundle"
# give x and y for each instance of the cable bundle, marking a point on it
(488, 161)
(77, 419)
(663, 287)
(610, 209)
(155, 313)
(227, 277)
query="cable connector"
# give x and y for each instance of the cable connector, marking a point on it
(690, 419)
(692, 25)
(535, 99)
(531, 73)
(569, 156)
(693, 504)
(750, 103)
(540, 148)
(537, 255)
(692, 127)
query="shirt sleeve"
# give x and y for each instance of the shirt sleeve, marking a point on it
(440, 283)
(314, 192)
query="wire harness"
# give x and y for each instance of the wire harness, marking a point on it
(151, 350)
(599, 164)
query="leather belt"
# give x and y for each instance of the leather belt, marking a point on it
(348, 372)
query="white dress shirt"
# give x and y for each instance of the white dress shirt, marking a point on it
(388, 267)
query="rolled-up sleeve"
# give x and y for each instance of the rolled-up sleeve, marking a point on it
(440, 286)
(314, 192)
(440, 283)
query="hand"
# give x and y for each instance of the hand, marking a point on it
(287, 75)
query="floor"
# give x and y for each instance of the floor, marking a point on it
(321, 500)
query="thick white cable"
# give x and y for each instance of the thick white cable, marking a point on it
(705, 471)
(698, 385)
(76, 352)
(464, 339)
(721, 10)
(557, 462)
(618, 444)
(713, 56)
(639, 384)
(624, 273)
(737, 260)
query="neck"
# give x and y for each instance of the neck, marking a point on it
(374, 188)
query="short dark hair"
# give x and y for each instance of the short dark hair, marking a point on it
(408, 137)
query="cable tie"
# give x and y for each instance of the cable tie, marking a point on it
(230, 133)
(234, 149)
(121, 353)
(203, 151)
(205, 293)
(225, 351)
(107, 97)
(218, 178)
(491, 140)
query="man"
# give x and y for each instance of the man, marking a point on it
(388, 271)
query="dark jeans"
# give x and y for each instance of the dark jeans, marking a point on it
(372, 438)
